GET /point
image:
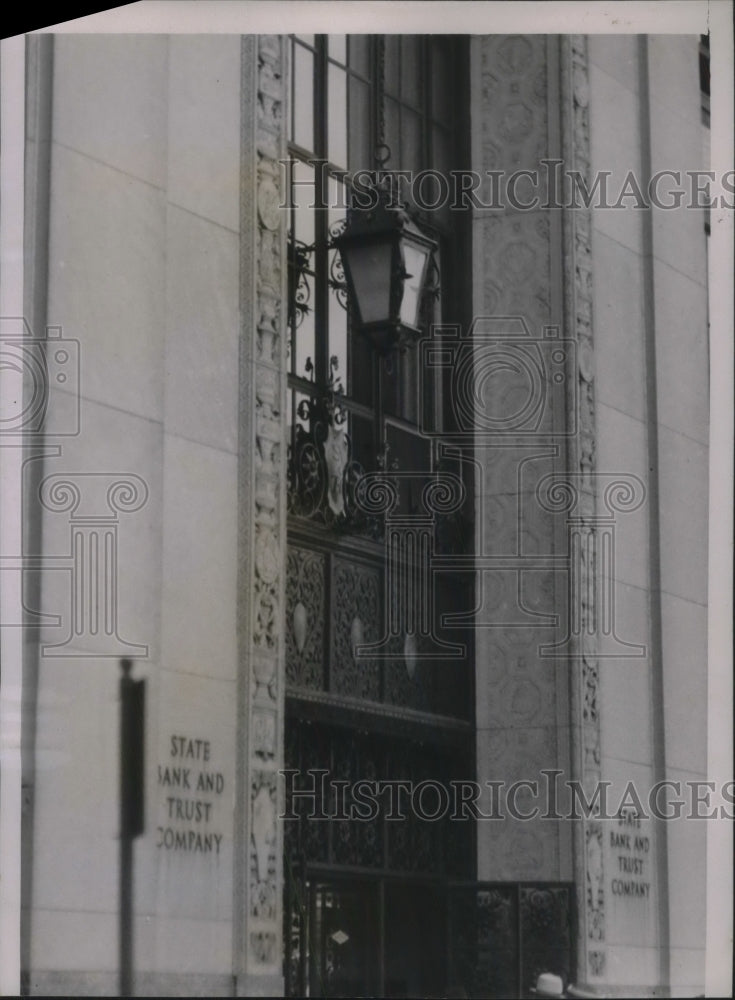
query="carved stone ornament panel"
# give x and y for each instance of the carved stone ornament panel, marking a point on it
(263, 838)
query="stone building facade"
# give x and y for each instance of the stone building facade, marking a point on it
(158, 528)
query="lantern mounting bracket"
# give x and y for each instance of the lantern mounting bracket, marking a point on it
(382, 272)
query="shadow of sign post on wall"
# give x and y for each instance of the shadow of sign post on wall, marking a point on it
(132, 722)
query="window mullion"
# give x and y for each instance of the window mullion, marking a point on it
(321, 304)
(378, 92)
(427, 111)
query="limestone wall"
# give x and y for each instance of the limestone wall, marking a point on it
(143, 272)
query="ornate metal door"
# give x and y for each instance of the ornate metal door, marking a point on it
(363, 936)
(501, 936)
(380, 882)
(340, 938)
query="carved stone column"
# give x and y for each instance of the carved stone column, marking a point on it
(262, 528)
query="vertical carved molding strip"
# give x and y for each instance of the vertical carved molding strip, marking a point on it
(584, 665)
(262, 527)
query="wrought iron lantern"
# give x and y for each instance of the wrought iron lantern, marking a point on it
(386, 260)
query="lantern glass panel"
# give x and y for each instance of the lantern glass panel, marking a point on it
(369, 266)
(415, 259)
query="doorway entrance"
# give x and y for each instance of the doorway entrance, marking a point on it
(365, 905)
(366, 936)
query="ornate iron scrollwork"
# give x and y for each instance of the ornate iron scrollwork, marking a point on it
(300, 266)
(323, 476)
(337, 281)
(299, 290)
